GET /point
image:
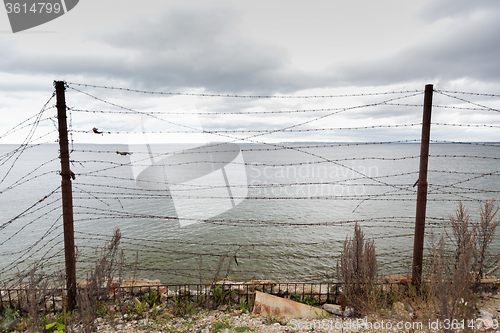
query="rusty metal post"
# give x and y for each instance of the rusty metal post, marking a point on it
(418, 245)
(67, 196)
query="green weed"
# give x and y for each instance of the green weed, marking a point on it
(245, 305)
(219, 326)
(140, 307)
(157, 309)
(243, 329)
(320, 316)
(308, 300)
(182, 308)
(9, 316)
(276, 319)
(151, 297)
(102, 309)
(220, 295)
(56, 324)
(55, 327)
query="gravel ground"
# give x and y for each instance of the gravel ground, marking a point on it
(235, 321)
(205, 321)
(214, 321)
(231, 320)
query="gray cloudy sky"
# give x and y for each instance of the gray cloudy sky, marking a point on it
(259, 47)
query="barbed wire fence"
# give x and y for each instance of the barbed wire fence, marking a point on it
(292, 181)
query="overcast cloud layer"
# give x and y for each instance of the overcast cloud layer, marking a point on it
(308, 48)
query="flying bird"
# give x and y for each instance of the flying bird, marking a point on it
(123, 153)
(96, 131)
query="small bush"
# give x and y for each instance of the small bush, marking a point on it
(485, 233)
(451, 286)
(183, 308)
(358, 269)
(98, 284)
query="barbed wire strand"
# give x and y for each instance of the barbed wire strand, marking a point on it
(241, 96)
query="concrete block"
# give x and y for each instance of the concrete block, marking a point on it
(269, 305)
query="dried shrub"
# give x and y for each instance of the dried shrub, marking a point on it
(462, 234)
(36, 292)
(455, 267)
(99, 283)
(451, 285)
(479, 235)
(358, 270)
(485, 233)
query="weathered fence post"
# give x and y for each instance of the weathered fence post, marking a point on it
(67, 196)
(418, 244)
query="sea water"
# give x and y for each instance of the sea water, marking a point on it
(281, 211)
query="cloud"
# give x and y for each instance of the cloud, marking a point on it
(454, 9)
(201, 48)
(465, 49)
(181, 48)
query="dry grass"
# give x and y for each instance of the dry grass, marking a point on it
(451, 287)
(99, 283)
(451, 274)
(36, 293)
(358, 270)
(479, 235)
(485, 233)
(447, 291)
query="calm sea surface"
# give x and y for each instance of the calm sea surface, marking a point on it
(251, 211)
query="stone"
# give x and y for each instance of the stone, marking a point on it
(488, 283)
(486, 315)
(240, 288)
(486, 324)
(337, 310)
(166, 294)
(302, 289)
(270, 305)
(261, 285)
(397, 279)
(391, 278)
(183, 292)
(137, 302)
(139, 285)
(104, 282)
(13, 295)
(55, 304)
(143, 322)
(11, 326)
(400, 309)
